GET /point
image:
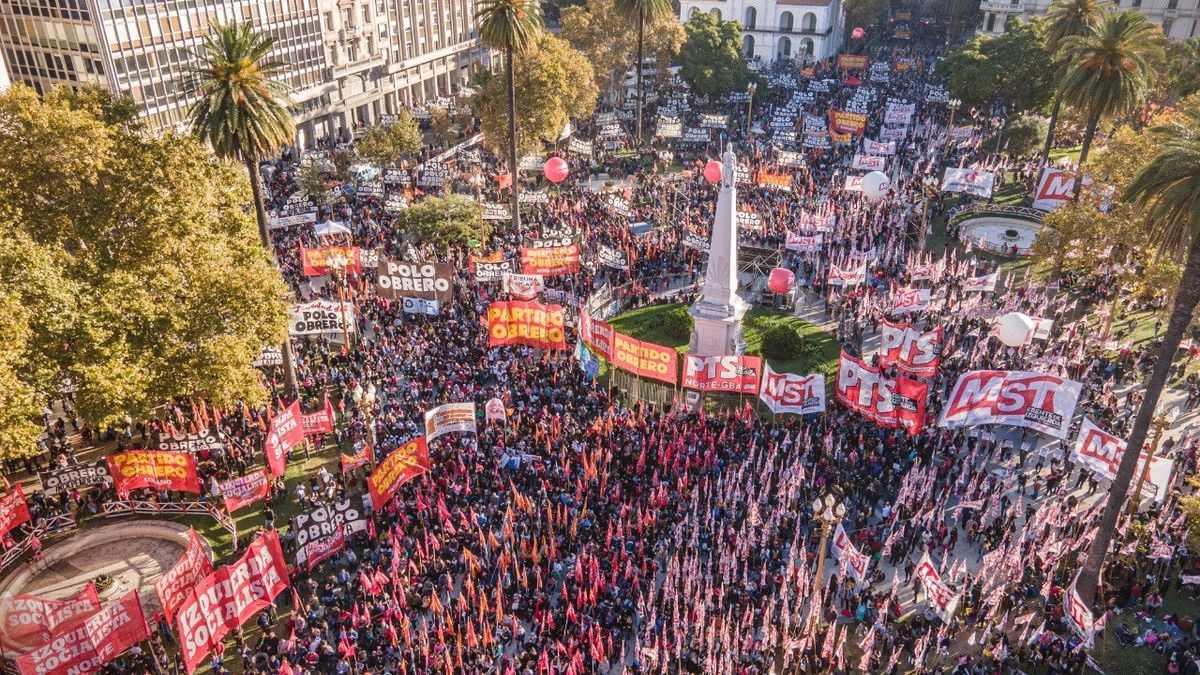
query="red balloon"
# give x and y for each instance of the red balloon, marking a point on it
(858, 33)
(713, 171)
(781, 280)
(556, 170)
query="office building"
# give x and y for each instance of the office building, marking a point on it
(1179, 19)
(779, 29)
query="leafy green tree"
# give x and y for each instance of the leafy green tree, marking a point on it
(602, 34)
(1109, 71)
(1186, 68)
(555, 83)
(711, 59)
(129, 263)
(512, 27)
(1009, 68)
(241, 111)
(864, 13)
(386, 145)
(1167, 189)
(1066, 19)
(314, 181)
(441, 125)
(455, 220)
(1022, 136)
(638, 12)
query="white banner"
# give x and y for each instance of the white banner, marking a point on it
(803, 244)
(448, 418)
(876, 148)
(1101, 452)
(791, 393)
(1054, 188)
(941, 598)
(868, 163)
(970, 181)
(983, 284)
(319, 317)
(841, 546)
(523, 286)
(909, 300)
(420, 306)
(847, 277)
(1038, 401)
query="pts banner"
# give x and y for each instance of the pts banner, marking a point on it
(890, 403)
(729, 374)
(913, 352)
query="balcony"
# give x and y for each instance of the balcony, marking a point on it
(1001, 7)
(790, 31)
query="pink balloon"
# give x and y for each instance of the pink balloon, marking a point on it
(858, 33)
(556, 170)
(713, 171)
(781, 280)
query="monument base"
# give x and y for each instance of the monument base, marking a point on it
(717, 335)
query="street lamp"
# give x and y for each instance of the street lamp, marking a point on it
(828, 511)
(1163, 419)
(955, 104)
(337, 265)
(750, 89)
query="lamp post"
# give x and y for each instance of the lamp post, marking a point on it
(1163, 419)
(750, 89)
(828, 511)
(955, 104)
(337, 265)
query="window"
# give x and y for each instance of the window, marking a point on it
(751, 18)
(1171, 4)
(785, 22)
(1166, 26)
(810, 23)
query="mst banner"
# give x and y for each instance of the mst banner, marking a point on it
(645, 359)
(427, 281)
(405, 463)
(904, 347)
(942, 598)
(245, 490)
(890, 403)
(75, 477)
(154, 469)
(27, 621)
(551, 261)
(1101, 452)
(92, 643)
(1037, 401)
(228, 597)
(532, 324)
(791, 393)
(174, 586)
(448, 418)
(285, 433)
(729, 374)
(844, 550)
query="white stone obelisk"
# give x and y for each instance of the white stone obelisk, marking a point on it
(719, 310)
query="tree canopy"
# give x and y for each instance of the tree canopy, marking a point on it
(385, 145)
(130, 264)
(711, 59)
(1010, 68)
(554, 83)
(455, 220)
(599, 31)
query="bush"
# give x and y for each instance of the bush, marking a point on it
(677, 324)
(783, 342)
(1024, 136)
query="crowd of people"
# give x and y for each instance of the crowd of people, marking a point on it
(635, 537)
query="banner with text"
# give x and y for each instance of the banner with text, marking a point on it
(1037, 401)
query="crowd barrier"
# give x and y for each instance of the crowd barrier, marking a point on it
(51, 525)
(131, 506)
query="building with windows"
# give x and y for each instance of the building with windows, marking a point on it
(352, 61)
(1179, 19)
(779, 29)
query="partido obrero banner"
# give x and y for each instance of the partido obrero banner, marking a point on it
(645, 359)
(550, 261)
(404, 463)
(526, 323)
(154, 469)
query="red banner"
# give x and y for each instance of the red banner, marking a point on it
(1038, 401)
(645, 359)
(319, 261)
(729, 374)
(889, 403)
(228, 597)
(515, 322)
(245, 490)
(13, 509)
(154, 469)
(404, 464)
(318, 551)
(596, 334)
(27, 621)
(174, 586)
(92, 643)
(913, 352)
(550, 261)
(848, 122)
(852, 61)
(362, 458)
(285, 433)
(319, 422)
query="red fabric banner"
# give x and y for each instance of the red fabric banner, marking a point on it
(645, 359)
(533, 324)
(596, 334)
(909, 350)
(889, 403)
(88, 645)
(550, 261)
(27, 621)
(319, 422)
(362, 458)
(285, 433)
(727, 374)
(174, 586)
(154, 469)
(318, 261)
(402, 465)
(13, 509)
(228, 597)
(245, 490)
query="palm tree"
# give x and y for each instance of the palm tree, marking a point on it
(639, 12)
(1065, 19)
(242, 113)
(1108, 71)
(1168, 191)
(512, 27)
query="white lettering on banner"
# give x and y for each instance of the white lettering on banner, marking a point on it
(493, 211)
(579, 147)
(791, 393)
(428, 281)
(523, 286)
(909, 300)
(611, 257)
(943, 600)
(1036, 401)
(910, 350)
(890, 402)
(732, 374)
(842, 547)
(695, 241)
(1101, 452)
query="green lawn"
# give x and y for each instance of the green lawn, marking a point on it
(647, 324)
(1072, 152)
